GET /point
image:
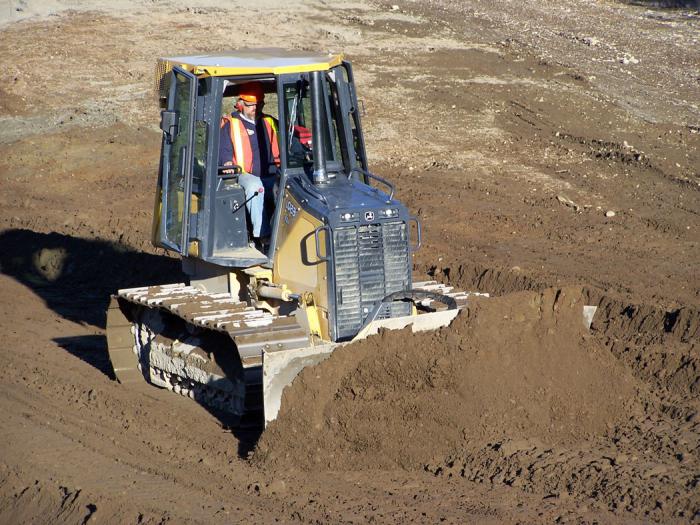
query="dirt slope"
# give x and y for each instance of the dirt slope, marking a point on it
(518, 366)
(510, 129)
(515, 392)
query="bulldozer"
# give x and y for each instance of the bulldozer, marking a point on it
(336, 268)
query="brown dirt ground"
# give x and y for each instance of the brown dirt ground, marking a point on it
(509, 128)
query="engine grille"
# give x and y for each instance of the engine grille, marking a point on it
(371, 261)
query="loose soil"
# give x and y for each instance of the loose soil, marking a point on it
(512, 130)
(519, 366)
(515, 392)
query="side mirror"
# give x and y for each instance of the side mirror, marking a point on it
(168, 123)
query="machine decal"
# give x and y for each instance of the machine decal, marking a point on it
(369, 215)
(291, 209)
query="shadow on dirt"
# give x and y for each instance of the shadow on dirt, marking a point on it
(666, 4)
(246, 430)
(75, 276)
(89, 348)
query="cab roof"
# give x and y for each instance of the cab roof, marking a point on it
(255, 62)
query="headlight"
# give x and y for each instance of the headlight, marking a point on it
(349, 217)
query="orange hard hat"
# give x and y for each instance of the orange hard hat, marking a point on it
(251, 92)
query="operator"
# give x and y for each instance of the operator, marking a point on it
(248, 138)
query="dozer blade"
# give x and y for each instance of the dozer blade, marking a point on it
(280, 367)
(120, 344)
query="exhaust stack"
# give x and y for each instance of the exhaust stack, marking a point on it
(320, 175)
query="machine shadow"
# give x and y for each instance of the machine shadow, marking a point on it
(75, 278)
(89, 348)
(247, 430)
(666, 4)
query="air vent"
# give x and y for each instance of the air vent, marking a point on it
(371, 261)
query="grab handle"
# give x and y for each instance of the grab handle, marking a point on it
(317, 241)
(375, 177)
(419, 240)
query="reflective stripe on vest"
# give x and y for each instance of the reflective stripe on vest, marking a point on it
(242, 152)
(271, 128)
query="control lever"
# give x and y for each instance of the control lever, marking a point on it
(239, 206)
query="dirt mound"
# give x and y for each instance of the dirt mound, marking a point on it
(521, 366)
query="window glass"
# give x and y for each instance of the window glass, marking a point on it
(201, 137)
(336, 122)
(299, 124)
(229, 102)
(174, 192)
(230, 98)
(357, 145)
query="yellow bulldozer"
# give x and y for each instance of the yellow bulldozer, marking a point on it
(337, 266)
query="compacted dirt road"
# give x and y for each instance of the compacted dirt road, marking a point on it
(551, 151)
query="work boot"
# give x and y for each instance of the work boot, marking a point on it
(262, 243)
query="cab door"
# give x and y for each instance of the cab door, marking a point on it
(175, 180)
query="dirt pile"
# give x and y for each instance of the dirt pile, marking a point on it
(515, 393)
(521, 366)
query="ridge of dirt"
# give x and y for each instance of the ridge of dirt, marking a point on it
(617, 316)
(516, 392)
(657, 344)
(521, 365)
(45, 502)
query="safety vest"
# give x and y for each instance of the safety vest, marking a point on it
(242, 151)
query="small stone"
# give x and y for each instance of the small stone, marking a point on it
(609, 213)
(590, 41)
(394, 7)
(568, 202)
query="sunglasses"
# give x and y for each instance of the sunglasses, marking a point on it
(251, 104)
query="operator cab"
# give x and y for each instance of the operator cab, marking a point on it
(201, 209)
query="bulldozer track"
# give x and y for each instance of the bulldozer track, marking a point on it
(186, 340)
(251, 329)
(190, 361)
